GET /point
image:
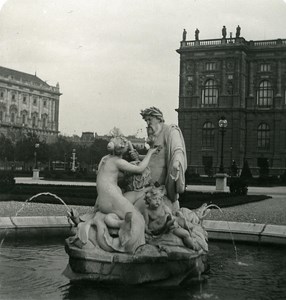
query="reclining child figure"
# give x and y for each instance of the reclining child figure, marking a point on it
(160, 220)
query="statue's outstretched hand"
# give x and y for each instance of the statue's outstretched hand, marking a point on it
(155, 150)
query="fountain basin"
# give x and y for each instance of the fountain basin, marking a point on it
(42, 261)
(166, 265)
(217, 230)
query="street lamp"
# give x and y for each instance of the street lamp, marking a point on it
(222, 123)
(73, 160)
(35, 155)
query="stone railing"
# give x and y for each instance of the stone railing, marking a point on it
(233, 41)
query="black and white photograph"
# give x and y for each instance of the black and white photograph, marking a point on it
(142, 149)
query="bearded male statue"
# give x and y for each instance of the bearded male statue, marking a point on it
(168, 167)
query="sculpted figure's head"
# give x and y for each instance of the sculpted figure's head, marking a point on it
(155, 196)
(118, 145)
(154, 119)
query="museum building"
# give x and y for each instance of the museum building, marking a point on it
(28, 104)
(243, 82)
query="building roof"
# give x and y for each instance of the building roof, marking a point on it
(21, 76)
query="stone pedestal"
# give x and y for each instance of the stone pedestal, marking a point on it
(220, 183)
(36, 174)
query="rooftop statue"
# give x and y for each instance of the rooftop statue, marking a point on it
(135, 227)
(223, 32)
(197, 34)
(184, 35)
(237, 35)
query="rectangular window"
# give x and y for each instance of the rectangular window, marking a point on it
(264, 95)
(24, 99)
(34, 101)
(209, 97)
(210, 66)
(265, 68)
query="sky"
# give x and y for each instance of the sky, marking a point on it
(113, 58)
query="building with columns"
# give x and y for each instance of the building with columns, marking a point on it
(243, 81)
(28, 104)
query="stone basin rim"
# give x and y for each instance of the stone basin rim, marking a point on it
(217, 230)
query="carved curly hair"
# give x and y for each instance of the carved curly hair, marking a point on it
(117, 145)
(153, 112)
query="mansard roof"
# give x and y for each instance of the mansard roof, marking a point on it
(21, 76)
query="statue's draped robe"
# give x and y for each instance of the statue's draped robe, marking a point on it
(173, 148)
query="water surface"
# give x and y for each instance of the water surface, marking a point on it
(33, 270)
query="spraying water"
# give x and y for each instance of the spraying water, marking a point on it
(231, 235)
(69, 210)
(43, 194)
(232, 238)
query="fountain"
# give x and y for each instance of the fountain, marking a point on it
(137, 233)
(165, 257)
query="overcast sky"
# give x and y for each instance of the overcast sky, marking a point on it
(113, 58)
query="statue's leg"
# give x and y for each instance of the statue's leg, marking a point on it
(83, 230)
(187, 239)
(112, 220)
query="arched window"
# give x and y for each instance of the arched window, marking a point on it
(23, 119)
(263, 136)
(265, 94)
(35, 119)
(12, 117)
(208, 135)
(13, 113)
(24, 116)
(210, 93)
(44, 121)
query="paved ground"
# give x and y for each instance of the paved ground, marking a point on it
(269, 211)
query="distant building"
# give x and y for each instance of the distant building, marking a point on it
(138, 143)
(87, 138)
(244, 81)
(28, 104)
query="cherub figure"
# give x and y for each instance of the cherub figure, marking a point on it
(159, 219)
(157, 215)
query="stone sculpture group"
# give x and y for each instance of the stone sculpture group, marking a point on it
(145, 210)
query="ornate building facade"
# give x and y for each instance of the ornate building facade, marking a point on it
(28, 104)
(243, 81)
